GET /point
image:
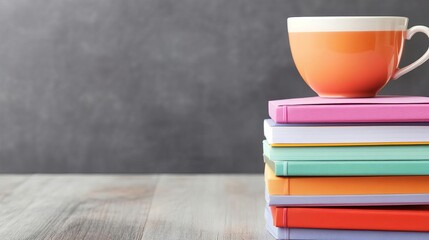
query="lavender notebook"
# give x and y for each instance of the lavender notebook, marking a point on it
(331, 110)
(346, 200)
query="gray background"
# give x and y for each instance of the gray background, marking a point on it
(157, 85)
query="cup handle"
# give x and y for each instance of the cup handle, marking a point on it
(418, 62)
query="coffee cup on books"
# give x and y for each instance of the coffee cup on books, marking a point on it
(350, 56)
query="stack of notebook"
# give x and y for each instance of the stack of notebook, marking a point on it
(347, 168)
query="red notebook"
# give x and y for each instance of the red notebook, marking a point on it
(335, 110)
(398, 218)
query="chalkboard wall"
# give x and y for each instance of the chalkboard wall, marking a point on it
(157, 85)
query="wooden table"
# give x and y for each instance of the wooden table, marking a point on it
(129, 207)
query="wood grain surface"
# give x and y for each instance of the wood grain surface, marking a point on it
(108, 207)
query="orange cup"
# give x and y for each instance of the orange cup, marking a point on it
(350, 56)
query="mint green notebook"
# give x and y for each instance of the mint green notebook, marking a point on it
(348, 168)
(331, 153)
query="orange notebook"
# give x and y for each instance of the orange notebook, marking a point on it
(401, 218)
(345, 185)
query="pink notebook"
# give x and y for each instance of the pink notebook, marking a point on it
(334, 110)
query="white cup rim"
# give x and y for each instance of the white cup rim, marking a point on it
(347, 23)
(347, 17)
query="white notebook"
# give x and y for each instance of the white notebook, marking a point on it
(345, 133)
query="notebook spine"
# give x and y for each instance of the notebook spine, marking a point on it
(278, 113)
